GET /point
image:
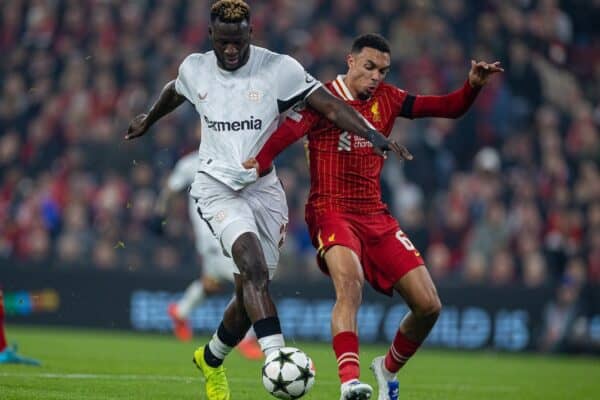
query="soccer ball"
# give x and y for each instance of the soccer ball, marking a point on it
(288, 373)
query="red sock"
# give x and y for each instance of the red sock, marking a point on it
(401, 350)
(2, 335)
(345, 346)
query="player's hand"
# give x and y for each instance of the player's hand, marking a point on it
(382, 144)
(251, 163)
(137, 127)
(481, 71)
(400, 150)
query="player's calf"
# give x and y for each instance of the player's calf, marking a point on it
(248, 257)
(259, 307)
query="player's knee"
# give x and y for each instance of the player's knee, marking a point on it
(249, 260)
(349, 292)
(348, 300)
(429, 308)
(258, 275)
(254, 271)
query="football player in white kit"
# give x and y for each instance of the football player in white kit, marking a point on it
(216, 268)
(239, 91)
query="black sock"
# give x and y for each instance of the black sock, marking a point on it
(210, 358)
(227, 337)
(267, 327)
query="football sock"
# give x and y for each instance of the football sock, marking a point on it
(193, 295)
(345, 346)
(219, 346)
(399, 353)
(268, 333)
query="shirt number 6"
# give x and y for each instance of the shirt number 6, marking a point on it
(405, 241)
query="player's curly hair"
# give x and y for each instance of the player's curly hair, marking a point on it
(230, 11)
(372, 40)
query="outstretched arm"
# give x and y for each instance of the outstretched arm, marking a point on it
(348, 119)
(293, 129)
(168, 100)
(455, 104)
(285, 135)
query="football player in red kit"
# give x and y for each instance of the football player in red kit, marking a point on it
(355, 236)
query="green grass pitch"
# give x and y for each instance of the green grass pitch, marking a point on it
(103, 365)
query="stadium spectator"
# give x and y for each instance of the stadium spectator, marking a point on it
(560, 318)
(74, 71)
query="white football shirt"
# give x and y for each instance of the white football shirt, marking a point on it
(183, 173)
(240, 109)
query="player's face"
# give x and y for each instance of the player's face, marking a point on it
(231, 43)
(366, 70)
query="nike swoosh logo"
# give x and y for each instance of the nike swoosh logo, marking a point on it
(201, 97)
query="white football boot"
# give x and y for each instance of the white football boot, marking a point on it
(388, 389)
(355, 390)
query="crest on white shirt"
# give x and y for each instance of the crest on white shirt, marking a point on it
(254, 95)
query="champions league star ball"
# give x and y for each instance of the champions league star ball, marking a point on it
(288, 373)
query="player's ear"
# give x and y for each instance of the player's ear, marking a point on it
(210, 31)
(350, 60)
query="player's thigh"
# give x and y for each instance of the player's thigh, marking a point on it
(227, 214)
(330, 230)
(399, 264)
(267, 201)
(215, 264)
(346, 272)
(390, 255)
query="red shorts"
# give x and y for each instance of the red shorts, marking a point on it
(385, 252)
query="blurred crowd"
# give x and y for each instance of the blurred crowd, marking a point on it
(508, 194)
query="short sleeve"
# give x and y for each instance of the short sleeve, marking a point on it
(183, 174)
(183, 83)
(293, 83)
(301, 118)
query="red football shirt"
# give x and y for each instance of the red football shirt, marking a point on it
(345, 172)
(344, 169)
